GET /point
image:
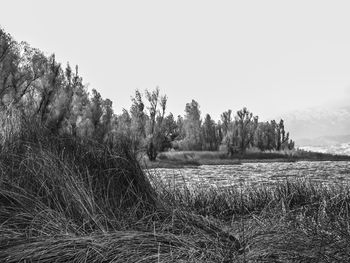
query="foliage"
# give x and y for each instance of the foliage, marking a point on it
(210, 138)
(156, 132)
(192, 127)
(41, 88)
(72, 190)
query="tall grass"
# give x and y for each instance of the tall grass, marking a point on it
(68, 200)
(291, 221)
(65, 199)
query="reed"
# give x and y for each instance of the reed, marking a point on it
(68, 200)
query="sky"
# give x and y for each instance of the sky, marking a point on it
(270, 56)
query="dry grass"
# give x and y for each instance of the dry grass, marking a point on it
(118, 246)
(290, 222)
(64, 200)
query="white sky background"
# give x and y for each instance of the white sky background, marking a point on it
(271, 56)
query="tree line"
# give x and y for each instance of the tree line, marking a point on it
(40, 89)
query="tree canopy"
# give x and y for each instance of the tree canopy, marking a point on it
(41, 90)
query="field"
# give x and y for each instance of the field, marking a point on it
(69, 200)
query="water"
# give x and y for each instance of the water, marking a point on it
(256, 173)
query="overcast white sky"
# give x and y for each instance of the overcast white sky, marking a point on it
(271, 56)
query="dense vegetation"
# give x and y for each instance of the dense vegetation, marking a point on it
(41, 89)
(72, 190)
(69, 200)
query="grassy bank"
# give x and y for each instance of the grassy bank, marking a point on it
(68, 200)
(290, 222)
(180, 159)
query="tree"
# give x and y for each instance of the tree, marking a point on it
(138, 121)
(63, 102)
(106, 120)
(219, 133)
(170, 131)
(281, 136)
(156, 137)
(6, 43)
(79, 110)
(226, 120)
(180, 128)
(39, 88)
(9, 65)
(153, 98)
(209, 135)
(21, 66)
(291, 145)
(246, 124)
(242, 131)
(192, 126)
(96, 111)
(261, 136)
(50, 87)
(272, 134)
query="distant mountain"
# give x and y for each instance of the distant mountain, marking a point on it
(319, 126)
(325, 140)
(320, 129)
(343, 149)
